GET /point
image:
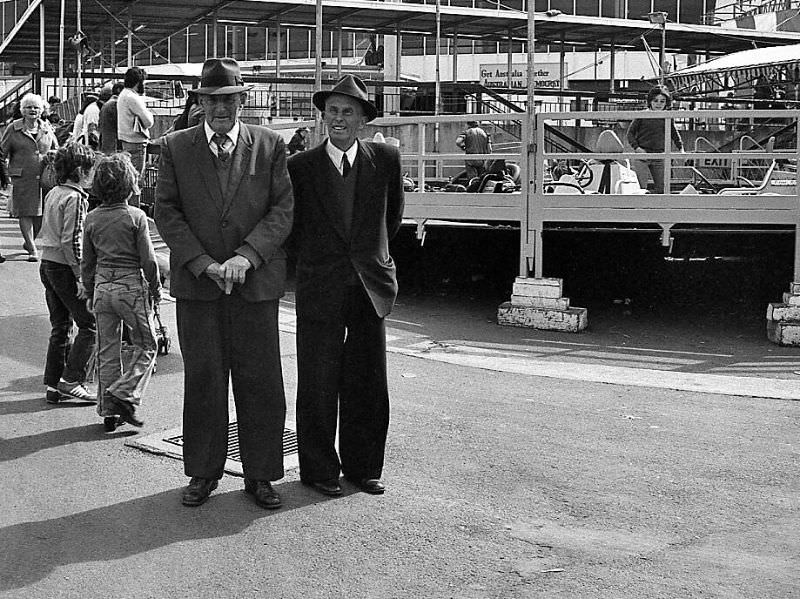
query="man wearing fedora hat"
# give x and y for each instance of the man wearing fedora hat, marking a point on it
(348, 205)
(224, 208)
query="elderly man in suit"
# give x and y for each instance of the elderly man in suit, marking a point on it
(348, 205)
(224, 207)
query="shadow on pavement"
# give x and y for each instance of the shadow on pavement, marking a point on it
(18, 447)
(35, 549)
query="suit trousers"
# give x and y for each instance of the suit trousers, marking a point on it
(341, 367)
(231, 339)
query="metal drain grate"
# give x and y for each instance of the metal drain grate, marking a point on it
(289, 442)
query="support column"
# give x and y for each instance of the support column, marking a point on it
(278, 35)
(783, 318)
(612, 66)
(455, 56)
(338, 51)
(536, 302)
(391, 70)
(540, 304)
(214, 35)
(130, 40)
(509, 59)
(41, 37)
(61, 54)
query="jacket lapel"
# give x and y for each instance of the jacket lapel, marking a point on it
(239, 161)
(205, 164)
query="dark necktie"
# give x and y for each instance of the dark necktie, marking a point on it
(223, 146)
(345, 165)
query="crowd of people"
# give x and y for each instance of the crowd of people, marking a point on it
(230, 205)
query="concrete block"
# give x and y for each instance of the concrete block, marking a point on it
(537, 287)
(783, 333)
(791, 299)
(571, 320)
(554, 303)
(783, 312)
(794, 288)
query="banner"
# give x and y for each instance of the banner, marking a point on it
(546, 75)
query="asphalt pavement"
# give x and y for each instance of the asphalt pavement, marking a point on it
(629, 461)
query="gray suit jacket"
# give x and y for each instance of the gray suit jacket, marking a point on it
(201, 223)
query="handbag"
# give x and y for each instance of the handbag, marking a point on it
(12, 211)
(48, 177)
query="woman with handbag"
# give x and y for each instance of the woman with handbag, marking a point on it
(24, 143)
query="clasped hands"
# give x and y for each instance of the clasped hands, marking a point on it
(231, 271)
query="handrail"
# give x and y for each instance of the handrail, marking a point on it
(9, 99)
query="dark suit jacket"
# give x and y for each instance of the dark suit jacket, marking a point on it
(202, 223)
(326, 255)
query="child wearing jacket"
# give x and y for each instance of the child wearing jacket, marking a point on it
(121, 275)
(63, 217)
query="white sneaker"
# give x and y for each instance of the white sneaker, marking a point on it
(75, 391)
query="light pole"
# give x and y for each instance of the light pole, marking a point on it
(660, 18)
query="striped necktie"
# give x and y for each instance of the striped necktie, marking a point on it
(223, 143)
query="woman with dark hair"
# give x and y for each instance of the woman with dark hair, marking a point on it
(23, 145)
(121, 274)
(647, 135)
(65, 210)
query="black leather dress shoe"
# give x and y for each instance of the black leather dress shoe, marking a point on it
(198, 491)
(373, 486)
(330, 487)
(263, 493)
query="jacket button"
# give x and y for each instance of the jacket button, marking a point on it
(224, 224)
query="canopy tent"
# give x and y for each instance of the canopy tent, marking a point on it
(740, 69)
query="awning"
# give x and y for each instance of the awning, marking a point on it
(741, 69)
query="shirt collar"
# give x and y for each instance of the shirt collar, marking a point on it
(233, 134)
(335, 154)
(76, 187)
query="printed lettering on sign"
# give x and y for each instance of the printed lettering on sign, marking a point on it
(546, 76)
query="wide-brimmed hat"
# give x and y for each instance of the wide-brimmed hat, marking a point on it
(221, 76)
(351, 86)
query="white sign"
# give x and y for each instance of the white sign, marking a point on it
(547, 75)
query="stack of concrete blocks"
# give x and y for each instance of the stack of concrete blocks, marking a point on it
(783, 320)
(538, 303)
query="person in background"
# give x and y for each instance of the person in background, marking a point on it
(107, 122)
(474, 140)
(224, 207)
(61, 240)
(91, 119)
(134, 121)
(191, 115)
(298, 141)
(23, 145)
(348, 206)
(120, 275)
(647, 135)
(77, 124)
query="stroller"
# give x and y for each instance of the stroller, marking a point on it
(163, 340)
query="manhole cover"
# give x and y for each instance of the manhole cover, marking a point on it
(289, 442)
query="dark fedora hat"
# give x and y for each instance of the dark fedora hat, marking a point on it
(221, 76)
(351, 86)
